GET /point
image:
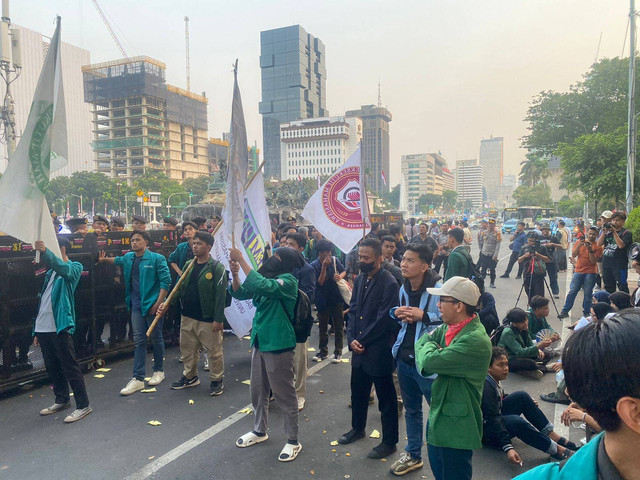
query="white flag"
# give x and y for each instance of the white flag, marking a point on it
(238, 164)
(24, 213)
(336, 209)
(255, 235)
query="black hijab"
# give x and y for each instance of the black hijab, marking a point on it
(289, 260)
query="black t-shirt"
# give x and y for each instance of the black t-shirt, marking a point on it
(545, 241)
(614, 256)
(191, 299)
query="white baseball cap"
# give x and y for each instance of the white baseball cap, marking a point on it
(460, 288)
(607, 214)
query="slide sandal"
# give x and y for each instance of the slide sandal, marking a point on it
(249, 439)
(289, 452)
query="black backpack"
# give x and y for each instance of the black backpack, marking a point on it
(302, 319)
(473, 272)
(497, 333)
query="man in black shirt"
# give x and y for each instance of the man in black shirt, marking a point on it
(616, 240)
(551, 242)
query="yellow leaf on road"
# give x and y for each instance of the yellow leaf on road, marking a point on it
(247, 382)
(311, 349)
(103, 369)
(99, 375)
(375, 434)
(246, 410)
(334, 443)
(148, 390)
(191, 402)
(345, 360)
(146, 379)
(155, 423)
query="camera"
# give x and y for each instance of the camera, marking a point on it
(634, 252)
(608, 226)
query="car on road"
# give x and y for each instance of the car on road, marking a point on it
(510, 225)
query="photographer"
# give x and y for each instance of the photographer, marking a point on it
(616, 240)
(534, 257)
(551, 243)
(518, 239)
(586, 252)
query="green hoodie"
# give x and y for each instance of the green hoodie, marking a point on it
(518, 344)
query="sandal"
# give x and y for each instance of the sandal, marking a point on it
(249, 439)
(289, 452)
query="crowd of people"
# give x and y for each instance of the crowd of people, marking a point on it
(417, 319)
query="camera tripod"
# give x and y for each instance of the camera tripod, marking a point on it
(530, 269)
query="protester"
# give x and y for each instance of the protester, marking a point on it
(502, 417)
(599, 311)
(306, 277)
(551, 243)
(411, 229)
(459, 352)
(534, 259)
(147, 281)
(487, 309)
(537, 317)
(370, 332)
(518, 239)
(329, 301)
(491, 240)
(564, 237)
(274, 292)
(459, 259)
(396, 232)
(616, 240)
(468, 237)
(53, 328)
(184, 251)
(620, 301)
(424, 237)
(525, 357)
(203, 294)
(139, 223)
(443, 249)
(417, 314)
(603, 377)
(587, 253)
(389, 263)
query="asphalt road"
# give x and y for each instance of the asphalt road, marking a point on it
(196, 440)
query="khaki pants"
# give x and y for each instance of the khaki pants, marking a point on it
(300, 368)
(195, 334)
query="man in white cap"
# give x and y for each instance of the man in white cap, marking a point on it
(459, 351)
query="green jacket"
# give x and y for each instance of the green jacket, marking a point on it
(179, 255)
(455, 416)
(62, 302)
(536, 324)
(518, 345)
(275, 300)
(458, 263)
(212, 287)
(154, 275)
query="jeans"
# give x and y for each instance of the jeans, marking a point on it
(552, 271)
(580, 281)
(413, 387)
(513, 259)
(533, 431)
(450, 463)
(140, 325)
(613, 276)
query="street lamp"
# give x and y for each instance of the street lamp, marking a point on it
(80, 197)
(177, 193)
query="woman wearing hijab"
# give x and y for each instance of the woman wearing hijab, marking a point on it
(620, 300)
(274, 291)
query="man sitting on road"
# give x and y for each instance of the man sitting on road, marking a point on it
(524, 355)
(537, 315)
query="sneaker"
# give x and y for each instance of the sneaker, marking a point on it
(381, 451)
(133, 386)
(405, 464)
(562, 315)
(156, 379)
(301, 402)
(553, 398)
(518, 277)
(501, 276)
(215, 388)
(319, 357)
(78, 414)
(537, 374)
(493, 285)
(350, 437)
(55, 408)
(337, 358)
(556, 296)
(185, 382)
(563, 456)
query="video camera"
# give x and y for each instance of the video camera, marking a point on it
(634, 252)
(527, 248)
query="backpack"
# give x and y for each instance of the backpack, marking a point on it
(302, 319)
(473, 272)
(497, 333)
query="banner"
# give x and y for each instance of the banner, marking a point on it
(336, 209)
(256, 234)
(42, 149)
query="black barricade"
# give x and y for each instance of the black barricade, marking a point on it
(102, 319)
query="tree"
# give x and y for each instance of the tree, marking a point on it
(534, 170)
(198, 186)
(392, 197)
(449, 199)
(428, 199)
(157, 181)
(538, 195)
(571, 207)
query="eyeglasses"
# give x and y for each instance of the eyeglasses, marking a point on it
(449, 301)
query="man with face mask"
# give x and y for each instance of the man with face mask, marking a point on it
(370, 332)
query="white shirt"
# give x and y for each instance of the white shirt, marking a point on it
(45, 321)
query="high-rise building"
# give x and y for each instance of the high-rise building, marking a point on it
(491, 160)
(141, 123)
(294, 77)
(317, 146)
(448, 180)
(34, 49)
(375, 143)
(469, 180)
(423, 173)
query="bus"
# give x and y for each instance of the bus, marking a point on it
(527, 214)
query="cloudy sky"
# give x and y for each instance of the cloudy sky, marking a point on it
(452, 72)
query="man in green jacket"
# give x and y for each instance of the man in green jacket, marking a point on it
(203, 294)
(274, 292)
(459, 351)
(459, 258)
(146, 283)
(54, 325)
(537, 315)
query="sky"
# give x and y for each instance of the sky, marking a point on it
(451, 72)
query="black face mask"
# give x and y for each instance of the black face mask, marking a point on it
(366, 267)
(271, 268)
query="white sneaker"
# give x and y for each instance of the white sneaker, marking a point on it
(301, 402)
(78, 414)
(133, 386)
(156, 379)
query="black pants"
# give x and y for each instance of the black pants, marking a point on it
(613, 277)
(63, 368)
(439, 261)
(387, 403)
(513, 259)
(519, 364)
(533, 285)
(488, 264)
(450, 463)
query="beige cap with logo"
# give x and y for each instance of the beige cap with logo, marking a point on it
(460, 288)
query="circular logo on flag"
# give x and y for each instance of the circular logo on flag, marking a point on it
(341, 198)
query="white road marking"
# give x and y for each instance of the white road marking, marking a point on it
(558, 426)
(153, 467)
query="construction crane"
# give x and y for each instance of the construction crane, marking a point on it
(186, 39)
(108, 25)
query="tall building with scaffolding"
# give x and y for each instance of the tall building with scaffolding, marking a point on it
(141, 123)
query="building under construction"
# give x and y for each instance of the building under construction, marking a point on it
(140, 123)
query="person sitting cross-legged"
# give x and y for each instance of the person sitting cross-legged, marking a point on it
(525, 357)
